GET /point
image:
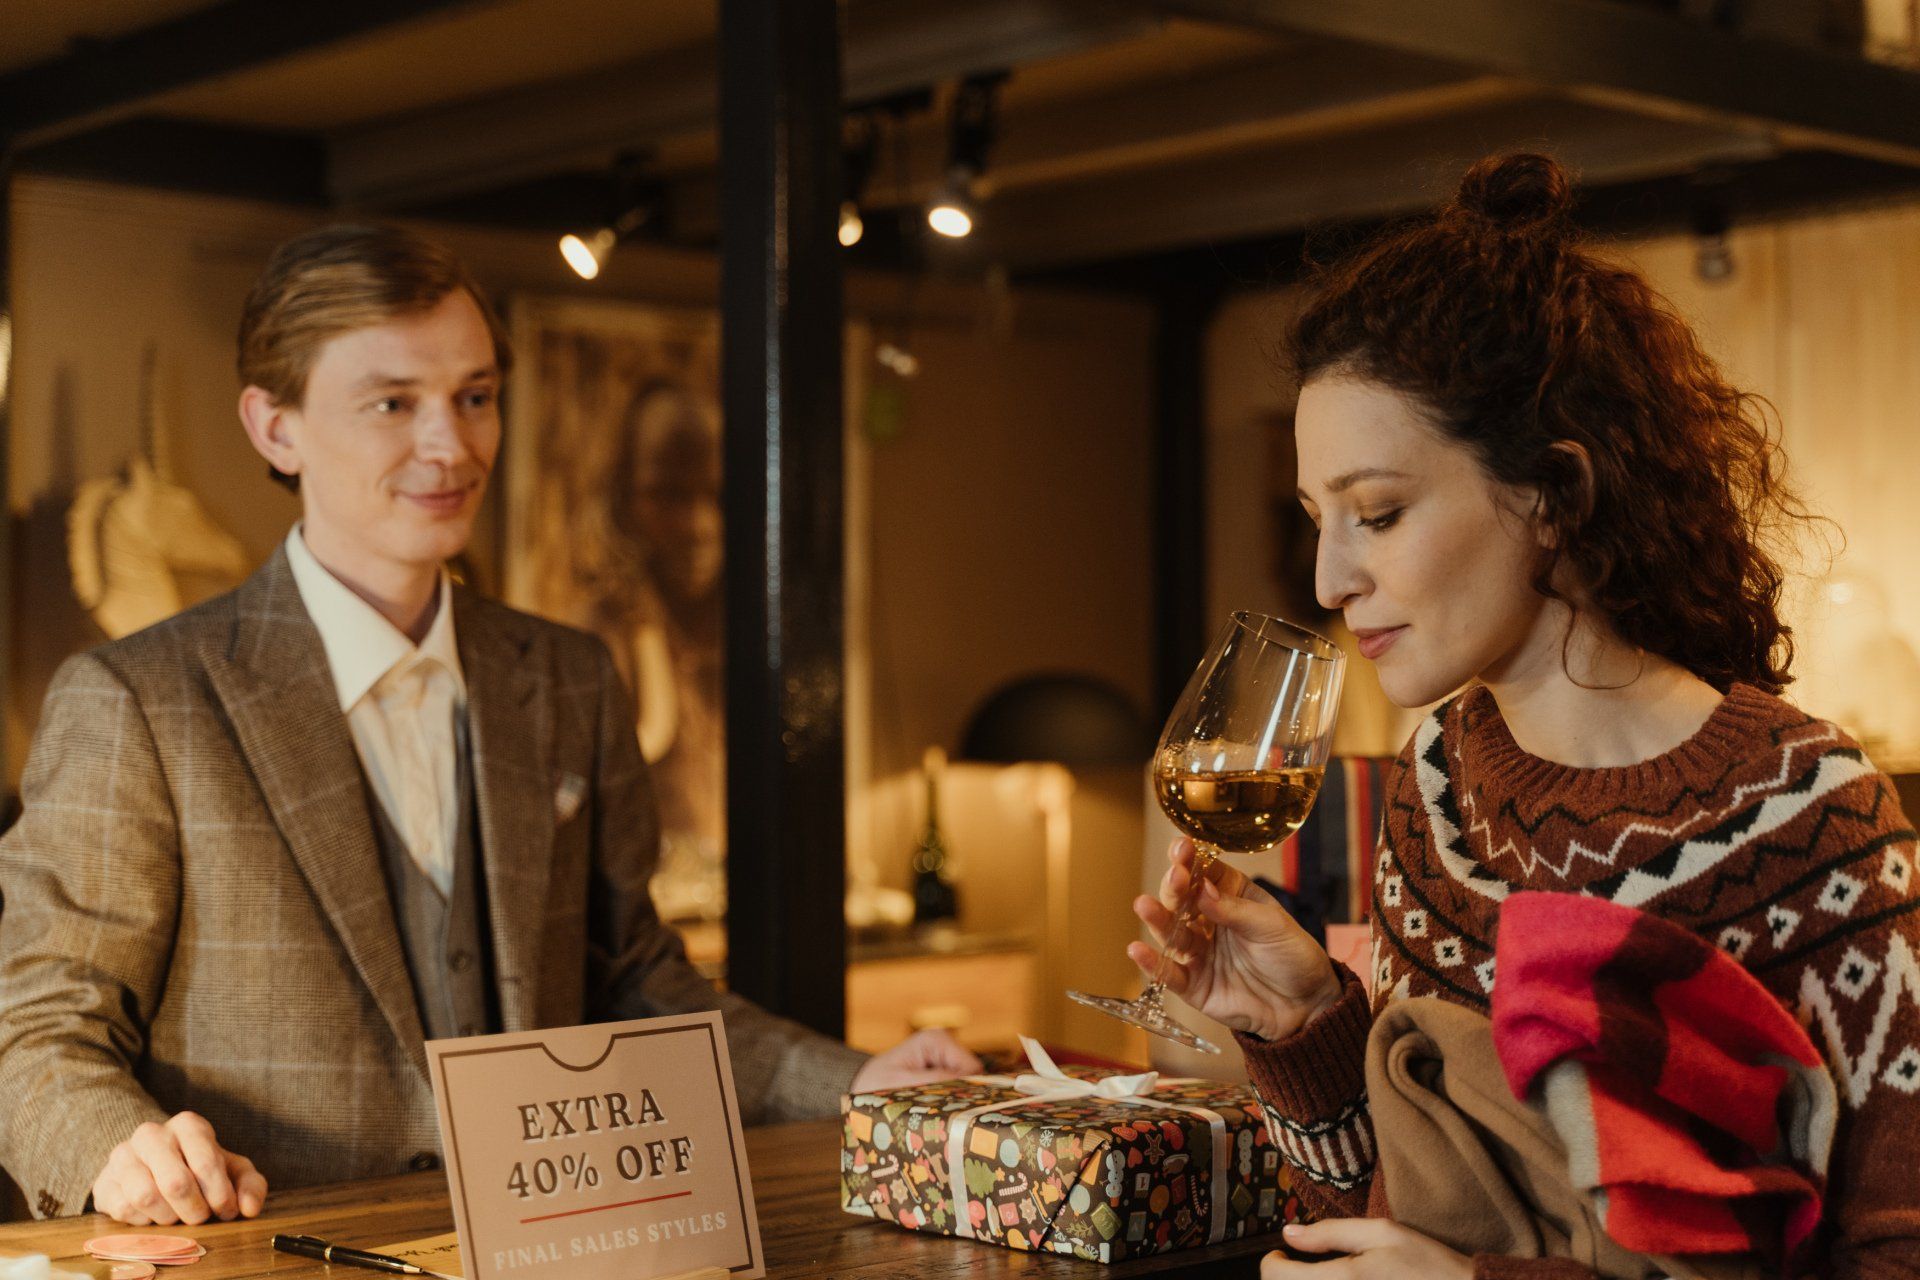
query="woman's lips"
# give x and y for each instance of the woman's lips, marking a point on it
(1375, 643)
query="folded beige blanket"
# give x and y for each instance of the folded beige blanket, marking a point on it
(1464, 1162)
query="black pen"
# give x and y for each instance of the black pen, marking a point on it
(314, 1247)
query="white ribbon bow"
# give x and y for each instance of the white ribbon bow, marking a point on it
(1048, 1083)
(1051, 1082)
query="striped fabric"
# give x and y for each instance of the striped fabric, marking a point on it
(1337, 1152)
(1327, 865)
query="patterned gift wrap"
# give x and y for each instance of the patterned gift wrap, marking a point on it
(1101, 1178)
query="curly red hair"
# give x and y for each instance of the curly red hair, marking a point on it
(1520, 342)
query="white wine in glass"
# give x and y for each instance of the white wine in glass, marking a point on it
(1237, 769)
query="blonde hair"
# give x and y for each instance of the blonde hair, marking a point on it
(338, 279)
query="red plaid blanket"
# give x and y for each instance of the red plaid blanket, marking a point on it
(1689, 1099)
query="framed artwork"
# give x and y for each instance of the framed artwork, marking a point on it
(613, 524)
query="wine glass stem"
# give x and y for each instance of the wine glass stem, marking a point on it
(1183, 918)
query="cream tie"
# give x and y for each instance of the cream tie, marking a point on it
(403, 701)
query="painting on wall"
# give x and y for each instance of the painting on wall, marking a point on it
(614, 525)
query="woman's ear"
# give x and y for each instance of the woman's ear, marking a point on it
(1573, 460)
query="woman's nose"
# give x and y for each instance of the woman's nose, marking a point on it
(1337, 575)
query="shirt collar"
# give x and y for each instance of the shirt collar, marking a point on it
(361, 645)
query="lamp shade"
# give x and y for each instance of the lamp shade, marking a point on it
(1063, 718)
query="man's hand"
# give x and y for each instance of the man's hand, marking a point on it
(921, 1057)
(1376, 1249)
(176, 1172)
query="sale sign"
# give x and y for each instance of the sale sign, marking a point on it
(609, 1152)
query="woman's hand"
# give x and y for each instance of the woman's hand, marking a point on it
(1245, 962)
(1376, 1249)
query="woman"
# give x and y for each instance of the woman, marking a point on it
(1531, 482)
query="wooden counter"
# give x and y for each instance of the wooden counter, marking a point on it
(796, 1184)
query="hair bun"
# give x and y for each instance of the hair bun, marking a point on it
(1517, 192)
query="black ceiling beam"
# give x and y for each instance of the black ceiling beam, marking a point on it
(190, 155)
(890, 46)
(1631, 56)
(102, 80)
(1796, 185)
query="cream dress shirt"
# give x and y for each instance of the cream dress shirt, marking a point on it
(403, 703)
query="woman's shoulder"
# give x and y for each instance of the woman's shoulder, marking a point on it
(1762, 736)
(1446, 721)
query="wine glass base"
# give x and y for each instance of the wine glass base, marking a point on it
(1148, 1015)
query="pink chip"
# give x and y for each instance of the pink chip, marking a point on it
(152, 1259)
(142, 1246)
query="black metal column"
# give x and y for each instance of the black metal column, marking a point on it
(1181, 624)
(781, 368)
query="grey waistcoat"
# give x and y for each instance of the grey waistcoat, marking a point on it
(448, 951)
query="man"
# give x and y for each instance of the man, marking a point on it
(275, 843)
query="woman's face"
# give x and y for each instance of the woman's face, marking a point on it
(1429, 558)
(677, 505)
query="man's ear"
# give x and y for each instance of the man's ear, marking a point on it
(266, 421)
(1577, 464)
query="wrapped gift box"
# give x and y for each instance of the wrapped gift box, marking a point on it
(1045, 1164)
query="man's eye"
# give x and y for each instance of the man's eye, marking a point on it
(1385, 520)
(480, 398)
(389, 405)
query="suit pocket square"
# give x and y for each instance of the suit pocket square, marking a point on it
(568, 796)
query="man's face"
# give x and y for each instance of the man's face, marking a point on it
(396, 438)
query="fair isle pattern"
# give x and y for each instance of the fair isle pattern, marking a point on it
(1823, 921)
(1336, 1152)
(1857, 1072)
(1810, 767)
(1443, 810)
(1767, 833)
(1721, 826)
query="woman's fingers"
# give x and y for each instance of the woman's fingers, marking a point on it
(1174, 886)
(1257, 920)
(1177, 976)
(1344, 1235)
(1233, 882)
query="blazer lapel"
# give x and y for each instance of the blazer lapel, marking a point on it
(512, 733)
(278, 692)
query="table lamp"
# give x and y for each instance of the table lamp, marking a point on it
(1057, 722)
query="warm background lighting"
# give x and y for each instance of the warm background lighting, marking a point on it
(586, 256)
(851, 226)
(949, 219)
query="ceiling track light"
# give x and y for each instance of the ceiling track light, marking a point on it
(1711, 217)
(860, 150)
(973, 126)
(952, 211)
(638, 201)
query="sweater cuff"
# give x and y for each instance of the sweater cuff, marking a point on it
(1320, 1069)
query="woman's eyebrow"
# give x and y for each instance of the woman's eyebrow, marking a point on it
(1342, 483)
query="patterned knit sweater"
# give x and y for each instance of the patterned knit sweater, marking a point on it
(1766, 832)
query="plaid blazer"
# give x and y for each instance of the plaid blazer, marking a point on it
(193, 913)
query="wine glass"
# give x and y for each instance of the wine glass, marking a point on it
(1238, 766)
